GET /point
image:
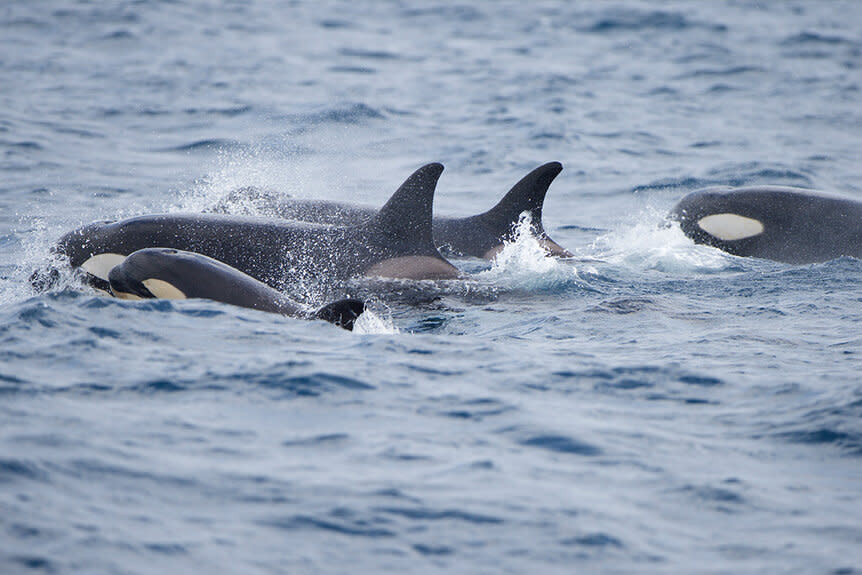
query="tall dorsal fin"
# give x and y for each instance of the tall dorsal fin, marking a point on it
(527, 195)
(406, 217)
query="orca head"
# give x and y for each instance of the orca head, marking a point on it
(722, 218)
(143, 276)
(94, 249)
(342, 313)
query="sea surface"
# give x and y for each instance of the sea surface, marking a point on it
(649, 406)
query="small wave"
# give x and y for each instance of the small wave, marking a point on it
(623, 306)
(203, 146)
(335, 24)
(427, 514)
(15, 469)
(721, 72)
(745, 174)
(454, 13)
(27, 146)
(353, 113)
(122, 34)
(33, 563)
(338, 525)
(318, 440)
(370, 54)
(809, 38)
(601, 540)
(303, 385)
(630, 20)
(228, 112)
(561, 444)
(723, 499)
(352, 70)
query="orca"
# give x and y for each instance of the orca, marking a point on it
(785, 224)
(175, 274)
(397, 242)
(480, 236)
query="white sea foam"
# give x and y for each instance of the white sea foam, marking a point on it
(649, 242)
(525, 265)
(371, 322)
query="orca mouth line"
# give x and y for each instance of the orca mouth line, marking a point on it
(129, 290)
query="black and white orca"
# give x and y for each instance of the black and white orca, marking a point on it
(397, 242)
(792, 225)
(175, 274)
(481, 236)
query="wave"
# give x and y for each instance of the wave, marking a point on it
(206, 145)
(634, 20)
(743, 174)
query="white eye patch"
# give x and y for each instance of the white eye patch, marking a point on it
(163, 290)
(730, 227)
(100, 265)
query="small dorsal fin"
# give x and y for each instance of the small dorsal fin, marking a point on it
(406, 217)
(527, 195)
(342, 313)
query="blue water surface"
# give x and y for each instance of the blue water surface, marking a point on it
(651, 406)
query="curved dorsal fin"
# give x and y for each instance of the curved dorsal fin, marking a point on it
(527, 195)
(407, 214)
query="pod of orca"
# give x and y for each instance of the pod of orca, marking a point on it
(480, 236)
(252, 261)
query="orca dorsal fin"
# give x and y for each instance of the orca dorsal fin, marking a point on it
(406, 217)
(527, 195)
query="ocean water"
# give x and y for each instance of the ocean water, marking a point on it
(651, 406)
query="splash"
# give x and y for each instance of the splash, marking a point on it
(36, 261)
(371, 322)
(523, 263)
(238, 182)
(650, 242)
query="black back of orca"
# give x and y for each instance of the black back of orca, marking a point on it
(396, 242)
(175, 274)
(480, 236)
(792, 225)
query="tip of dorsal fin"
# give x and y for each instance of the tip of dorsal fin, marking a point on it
(528, 195)
(407, 214)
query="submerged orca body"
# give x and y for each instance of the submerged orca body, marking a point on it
(174, 274)
(396, 242)
(792, 225)
(480, 236)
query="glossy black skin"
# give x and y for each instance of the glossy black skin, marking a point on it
(800, 226)
(478, 236)
(281, 253)
(198, 276)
